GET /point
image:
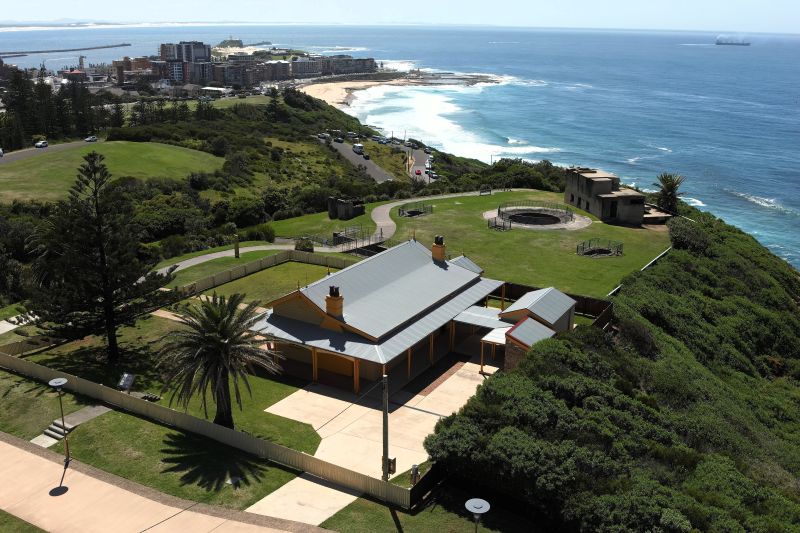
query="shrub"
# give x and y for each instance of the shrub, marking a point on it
(687, 235)
(304, 245)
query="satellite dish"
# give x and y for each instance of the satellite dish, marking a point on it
(57, 382)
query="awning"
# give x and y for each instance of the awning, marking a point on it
(496, 336)
(483, 317)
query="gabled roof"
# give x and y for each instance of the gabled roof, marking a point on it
(528, 332)
(394, 345)
(387, 290)
(466, 262)
(549, 304)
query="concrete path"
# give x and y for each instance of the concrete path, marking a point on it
(71, 421)
(381, 215)
(95, 501)
(352, 437)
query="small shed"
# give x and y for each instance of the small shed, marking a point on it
(549, 306)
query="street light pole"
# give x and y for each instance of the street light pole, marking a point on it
(385, 476)
(57, 383)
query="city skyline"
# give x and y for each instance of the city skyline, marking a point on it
(777, 16)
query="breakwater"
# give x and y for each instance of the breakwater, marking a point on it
(22, 53)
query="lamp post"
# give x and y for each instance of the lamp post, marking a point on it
(57, 383)
(477, 507)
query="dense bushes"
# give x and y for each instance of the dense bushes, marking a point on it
(687, 417)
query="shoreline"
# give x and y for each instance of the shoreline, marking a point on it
(341, 94)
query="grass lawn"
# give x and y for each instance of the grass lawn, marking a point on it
(443, 512)
(174, 462)
(319, 223)
(18, 334)
(139, 344)
(12, 524)
(538, 258)
(11, 310)
(184, 257)
(272, 283)
(391, 158)
(215, 266)
(29, 407)
(49, 176)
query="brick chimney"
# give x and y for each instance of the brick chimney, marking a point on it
(438, 250)
(334, 303)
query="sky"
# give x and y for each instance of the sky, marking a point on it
(769, 16)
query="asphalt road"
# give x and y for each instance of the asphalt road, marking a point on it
(419, 164)
(19, 155)
(374, 171)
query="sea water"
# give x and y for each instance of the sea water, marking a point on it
(633, 103)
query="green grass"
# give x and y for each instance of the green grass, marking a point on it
(49, 176)
(215, 266)
(272, 283)
(18, 334)
(443, 512)
(171, 461)
(225, 103)
(11, 310)
(391, 158)
(319, 223)
(29, 407)
(12, 524)
(184, 257)
(139, 345)
(538, 258)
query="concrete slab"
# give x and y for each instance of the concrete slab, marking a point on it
(84, 415)
(91, 504)
(352, 436)
(44, 441)
(6, 326)
(306, 497)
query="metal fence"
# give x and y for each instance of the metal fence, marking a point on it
(376, 488)
(499, 224)
(415, 209)
(252, 267)
(599, 247)
(507, 209)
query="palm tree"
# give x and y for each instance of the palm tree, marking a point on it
(216, 345)
(668, 194)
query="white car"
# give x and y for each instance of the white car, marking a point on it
(91, 139)
(1, 152)
(41, 144)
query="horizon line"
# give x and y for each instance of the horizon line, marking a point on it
(78, 24)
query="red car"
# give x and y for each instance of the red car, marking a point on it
(418, 172)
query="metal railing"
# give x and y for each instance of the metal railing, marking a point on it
(507, 209)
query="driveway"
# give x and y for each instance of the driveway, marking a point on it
(26, 153)
(352, 436)
(375, 172)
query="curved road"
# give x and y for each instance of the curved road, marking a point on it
(26, 153)
(381, 215)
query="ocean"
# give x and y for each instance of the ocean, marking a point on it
(633, 103)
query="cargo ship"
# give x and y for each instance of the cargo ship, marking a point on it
(731, 41)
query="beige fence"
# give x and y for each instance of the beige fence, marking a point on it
(265, 262)
(376, 488)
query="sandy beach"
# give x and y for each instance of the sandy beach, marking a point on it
(341, 93)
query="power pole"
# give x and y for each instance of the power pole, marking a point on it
(385, 476)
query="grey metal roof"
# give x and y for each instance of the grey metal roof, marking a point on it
(484, 317)
(466, 262)
(548, 304)
(529, 332)
(389, 289)
(353, 345)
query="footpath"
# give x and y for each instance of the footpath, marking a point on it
(35, 487)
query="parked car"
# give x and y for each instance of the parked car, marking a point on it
(366, 156)
(41, 144)
(339, 140)
(418, 172)
(1, 152)
(427, 150)
(91, 139)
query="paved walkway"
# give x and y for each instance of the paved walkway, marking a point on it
(352, 437)
(72, 421)
(95, 501)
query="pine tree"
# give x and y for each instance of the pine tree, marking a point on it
(90, 274)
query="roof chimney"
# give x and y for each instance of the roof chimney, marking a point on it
(438, 249)
(334, 303)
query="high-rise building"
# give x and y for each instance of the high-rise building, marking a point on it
(189, 51)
